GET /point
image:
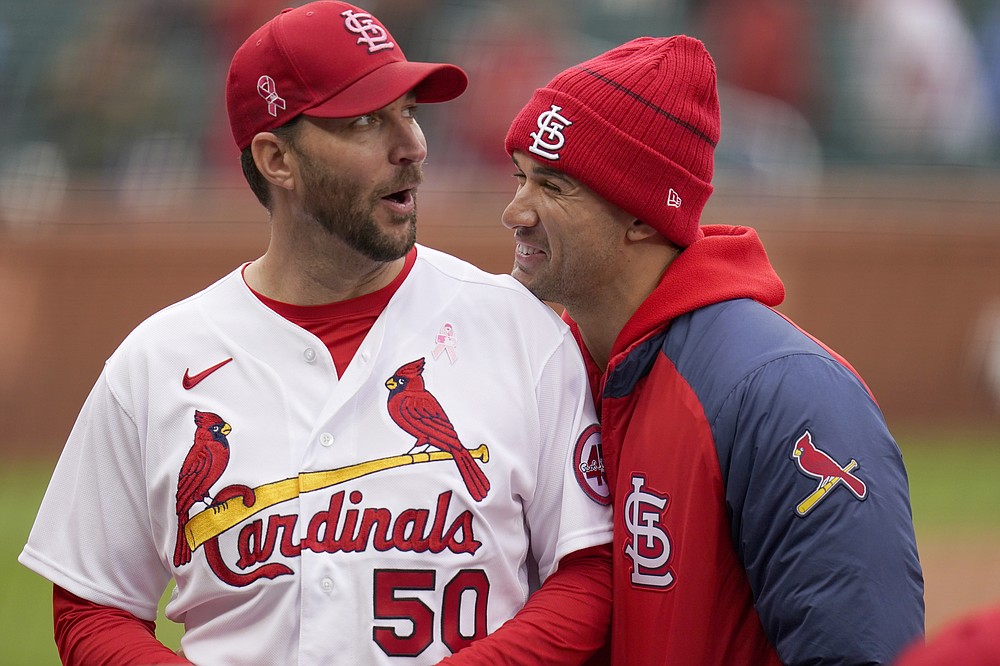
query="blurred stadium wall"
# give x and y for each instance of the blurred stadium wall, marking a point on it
(861, 138)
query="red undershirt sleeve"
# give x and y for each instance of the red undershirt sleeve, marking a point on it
(564, 622)
(88, 634)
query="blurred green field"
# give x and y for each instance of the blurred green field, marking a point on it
(26, 598)
(953, 483)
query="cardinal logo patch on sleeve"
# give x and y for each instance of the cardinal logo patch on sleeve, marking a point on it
(818, 464)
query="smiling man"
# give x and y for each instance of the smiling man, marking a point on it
(353, 449)
(761, 505)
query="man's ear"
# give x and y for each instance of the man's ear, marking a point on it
(273, 157)
(639, 231)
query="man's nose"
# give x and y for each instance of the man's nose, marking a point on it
(518, 212)
(409, 145)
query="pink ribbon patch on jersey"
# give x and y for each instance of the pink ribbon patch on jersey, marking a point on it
(446, 343)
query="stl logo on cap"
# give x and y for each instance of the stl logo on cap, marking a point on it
(268, 90)
(371, 32)
(549, 137)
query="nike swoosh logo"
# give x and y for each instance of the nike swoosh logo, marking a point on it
(190, 381)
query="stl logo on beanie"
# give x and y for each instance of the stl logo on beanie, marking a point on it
(549, 137)
(371, 32)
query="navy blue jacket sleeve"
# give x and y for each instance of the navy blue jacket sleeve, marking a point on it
(820, 511)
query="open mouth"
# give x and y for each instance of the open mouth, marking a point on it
(400, 197)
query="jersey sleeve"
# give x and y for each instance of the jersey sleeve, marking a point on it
(821, 515)
(565, 516)
(88, 633)
(92, 535)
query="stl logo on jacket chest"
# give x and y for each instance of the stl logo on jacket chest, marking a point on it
(648, 545)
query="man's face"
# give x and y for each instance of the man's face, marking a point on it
(567, 238)
(359, 177)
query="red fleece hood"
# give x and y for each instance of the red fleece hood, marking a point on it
(728, 263)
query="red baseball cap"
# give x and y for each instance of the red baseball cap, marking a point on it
(329, 60)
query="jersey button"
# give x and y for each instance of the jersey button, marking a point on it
(326, 439)
(327, 585)
(365, 356)
(310, 355)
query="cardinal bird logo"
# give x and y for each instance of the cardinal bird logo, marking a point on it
(202, 467)
(418, 413)
(819, 465)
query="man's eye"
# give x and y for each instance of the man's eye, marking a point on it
(410, 112)
(365, 120)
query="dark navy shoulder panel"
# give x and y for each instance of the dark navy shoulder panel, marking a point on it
(712, 346)
(719, 346)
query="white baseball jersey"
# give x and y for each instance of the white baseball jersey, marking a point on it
(338, 542)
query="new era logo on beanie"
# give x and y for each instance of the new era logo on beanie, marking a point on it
(328, 60)
(638, 125)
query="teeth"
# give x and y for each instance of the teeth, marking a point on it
(525, 250)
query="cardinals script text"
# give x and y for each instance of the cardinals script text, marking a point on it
(340, 530)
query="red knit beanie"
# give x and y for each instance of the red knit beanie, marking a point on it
(638, 125)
